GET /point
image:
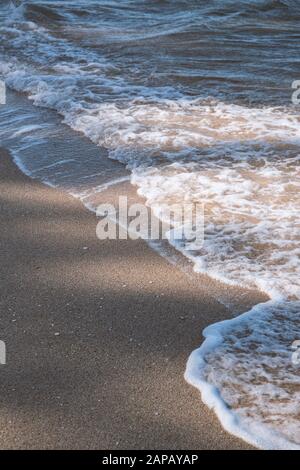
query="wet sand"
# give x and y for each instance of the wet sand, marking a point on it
(97, 333)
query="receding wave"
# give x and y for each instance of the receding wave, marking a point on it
(41, 14)
(238, 157)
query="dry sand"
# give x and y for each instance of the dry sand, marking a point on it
(97, 339)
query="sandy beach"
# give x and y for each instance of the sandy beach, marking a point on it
(97, 333)
(192, 110)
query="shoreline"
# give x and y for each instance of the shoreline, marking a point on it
(95, 360)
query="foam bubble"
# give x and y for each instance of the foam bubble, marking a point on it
(241, 162)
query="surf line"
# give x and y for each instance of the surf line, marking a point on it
(189, 459)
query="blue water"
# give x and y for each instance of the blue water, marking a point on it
(193, 101)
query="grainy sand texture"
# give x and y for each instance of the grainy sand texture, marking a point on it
(97, 333)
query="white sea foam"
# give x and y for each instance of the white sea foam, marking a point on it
(242, 163)
(245, 374)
